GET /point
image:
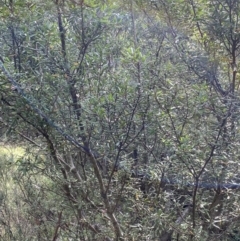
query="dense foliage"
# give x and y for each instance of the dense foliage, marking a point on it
(128, 115)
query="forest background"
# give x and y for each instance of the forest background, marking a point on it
(119, 120)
